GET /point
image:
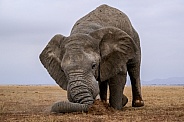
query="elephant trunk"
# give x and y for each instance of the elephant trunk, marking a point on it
(68, 107)
(80, 94)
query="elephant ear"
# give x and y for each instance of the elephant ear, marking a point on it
(116, 48)
(51, 58)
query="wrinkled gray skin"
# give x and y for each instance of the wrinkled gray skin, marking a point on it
(102, 47)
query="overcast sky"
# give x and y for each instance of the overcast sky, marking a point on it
(26, 26)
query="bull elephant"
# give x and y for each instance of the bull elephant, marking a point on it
(102, 47)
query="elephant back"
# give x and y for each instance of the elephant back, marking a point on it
(103, 16)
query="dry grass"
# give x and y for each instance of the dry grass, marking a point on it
(32, 104)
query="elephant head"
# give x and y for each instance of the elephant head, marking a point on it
(78, 61)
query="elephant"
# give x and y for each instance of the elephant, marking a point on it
(101, 49)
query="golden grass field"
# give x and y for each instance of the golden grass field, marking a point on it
(32, 104)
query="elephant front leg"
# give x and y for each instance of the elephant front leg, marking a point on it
(134, 73)
(116, 86)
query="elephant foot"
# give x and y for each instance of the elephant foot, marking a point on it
(124, 100)
(138, 102)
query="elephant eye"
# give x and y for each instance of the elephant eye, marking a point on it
(94, 65)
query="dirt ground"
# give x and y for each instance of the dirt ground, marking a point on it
(32, 104)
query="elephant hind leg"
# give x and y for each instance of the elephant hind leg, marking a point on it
(138, 102)
(134, 73)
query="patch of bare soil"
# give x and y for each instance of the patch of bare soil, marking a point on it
(100, 108)
(33, 103)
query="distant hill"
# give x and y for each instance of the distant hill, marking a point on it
(168, 81)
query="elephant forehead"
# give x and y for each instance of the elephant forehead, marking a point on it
(78, 39)
(81, 41)
(76, 55)
(74, 45)
(78, 45)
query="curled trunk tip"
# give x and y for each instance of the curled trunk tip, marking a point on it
(68, 107)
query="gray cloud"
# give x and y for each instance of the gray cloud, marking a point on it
(27, 26)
